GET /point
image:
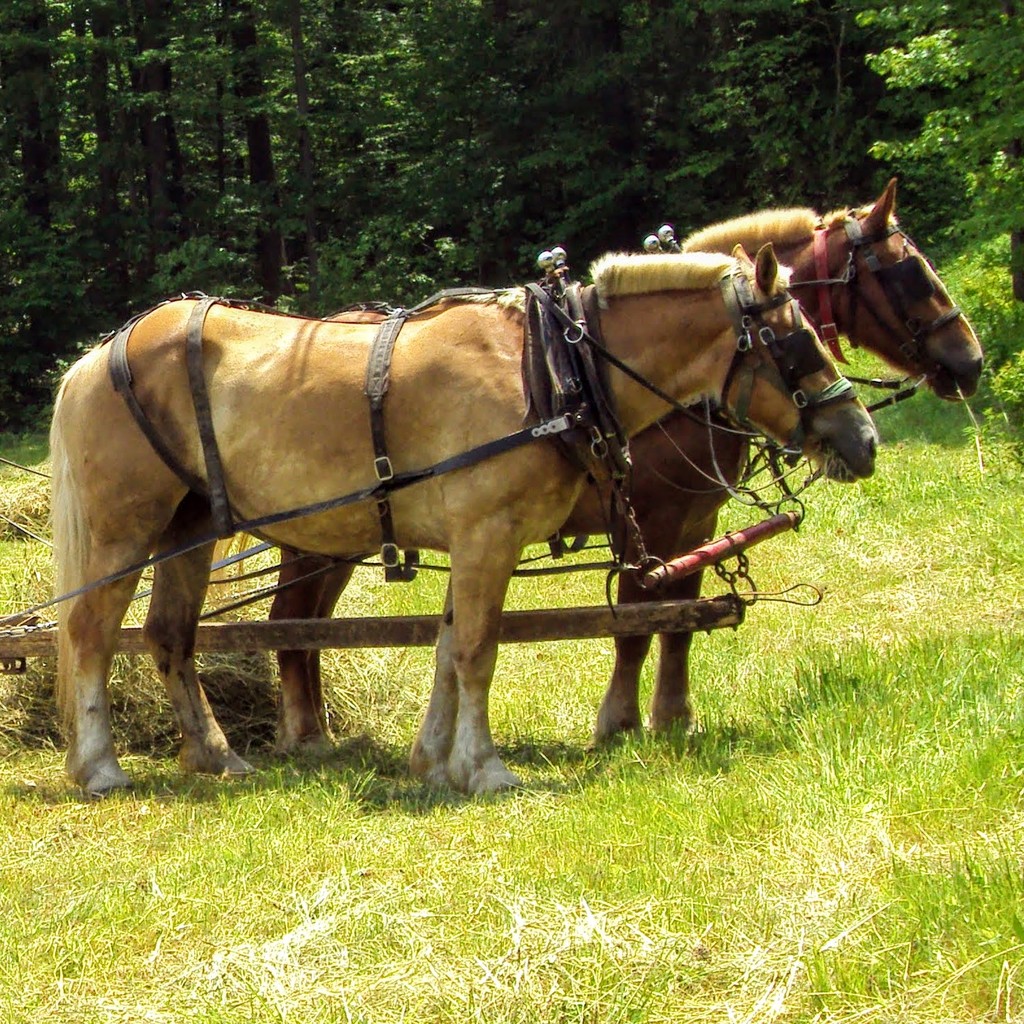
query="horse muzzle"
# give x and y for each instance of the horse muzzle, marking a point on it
(847, 442)
(955, 379)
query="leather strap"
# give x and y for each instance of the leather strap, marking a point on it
(220, 507)
(121, 377)
(378, 379)
(826, 318)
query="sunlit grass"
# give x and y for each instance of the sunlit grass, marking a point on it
(840, 839)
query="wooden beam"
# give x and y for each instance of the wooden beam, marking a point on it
(421, 630)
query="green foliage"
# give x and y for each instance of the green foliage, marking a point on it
(979, 280)
(956, 68)
(450, 141)
(199, 264)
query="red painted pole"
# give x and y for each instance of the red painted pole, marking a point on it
(716, 550)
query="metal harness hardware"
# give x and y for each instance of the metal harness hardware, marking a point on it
(565, 375)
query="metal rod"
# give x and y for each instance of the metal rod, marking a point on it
(715, 550)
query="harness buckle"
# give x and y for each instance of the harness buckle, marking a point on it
(390, 556)
(744, 342)
(383, 468)
(800, 398)
(766, 335)
(573, 338)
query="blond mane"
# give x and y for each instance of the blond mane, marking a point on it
(752, 230)
(638, 274)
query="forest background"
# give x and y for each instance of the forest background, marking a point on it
(316, 153)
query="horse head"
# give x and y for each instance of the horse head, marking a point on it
(895, 302)
(782, 373)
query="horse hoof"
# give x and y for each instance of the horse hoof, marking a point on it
(225, 764)
(428, 771)
(608, 733)
(492, 779)
(236, 768)
(317, 743)
(105, 781)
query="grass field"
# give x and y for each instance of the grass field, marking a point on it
(841, 838)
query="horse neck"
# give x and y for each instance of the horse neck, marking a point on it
(680, 341)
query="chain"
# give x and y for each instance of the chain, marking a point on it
(739, 577)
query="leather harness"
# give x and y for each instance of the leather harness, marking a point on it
(572, 400)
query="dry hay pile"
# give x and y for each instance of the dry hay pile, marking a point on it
(24, 502)
(241, 689)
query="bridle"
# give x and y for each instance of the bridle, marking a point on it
(792, 357)
(905, 282)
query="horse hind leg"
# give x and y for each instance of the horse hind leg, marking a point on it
(179, 587)
(88, 636)
(302, 719)
(89, 625)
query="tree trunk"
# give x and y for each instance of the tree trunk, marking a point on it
(115, 284)
(250, 89)
(164, 169)
(305, 146)
(30, 98)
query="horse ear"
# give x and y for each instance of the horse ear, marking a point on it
(767, 268)
(881, 213)
(739, 253)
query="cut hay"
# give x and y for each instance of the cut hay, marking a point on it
(24, 507)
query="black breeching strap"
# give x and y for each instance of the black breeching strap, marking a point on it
(121, 377)
(219, 505)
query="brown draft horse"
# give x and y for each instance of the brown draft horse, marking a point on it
(456, 382)
(677, 492)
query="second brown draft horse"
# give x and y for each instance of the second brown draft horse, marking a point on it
(859, 276)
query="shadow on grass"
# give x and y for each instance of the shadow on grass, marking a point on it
(360, 769)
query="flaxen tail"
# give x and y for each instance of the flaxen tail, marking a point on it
(70, 540)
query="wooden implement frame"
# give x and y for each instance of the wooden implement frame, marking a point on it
(637, 619)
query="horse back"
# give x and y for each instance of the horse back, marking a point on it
(291, 418)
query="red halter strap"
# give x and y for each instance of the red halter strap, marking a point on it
(827, 329)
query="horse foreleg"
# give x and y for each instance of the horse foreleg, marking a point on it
(179, 586)
(480, 577)
(670, 702)
(620, 708)
(88, 639)
(433, 744)
(670, 705)
(301, 716)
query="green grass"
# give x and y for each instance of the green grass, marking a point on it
(840, 839)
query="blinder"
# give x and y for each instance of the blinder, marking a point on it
(906, 281)
(799, 356)
(909, 278)
(795, 356)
